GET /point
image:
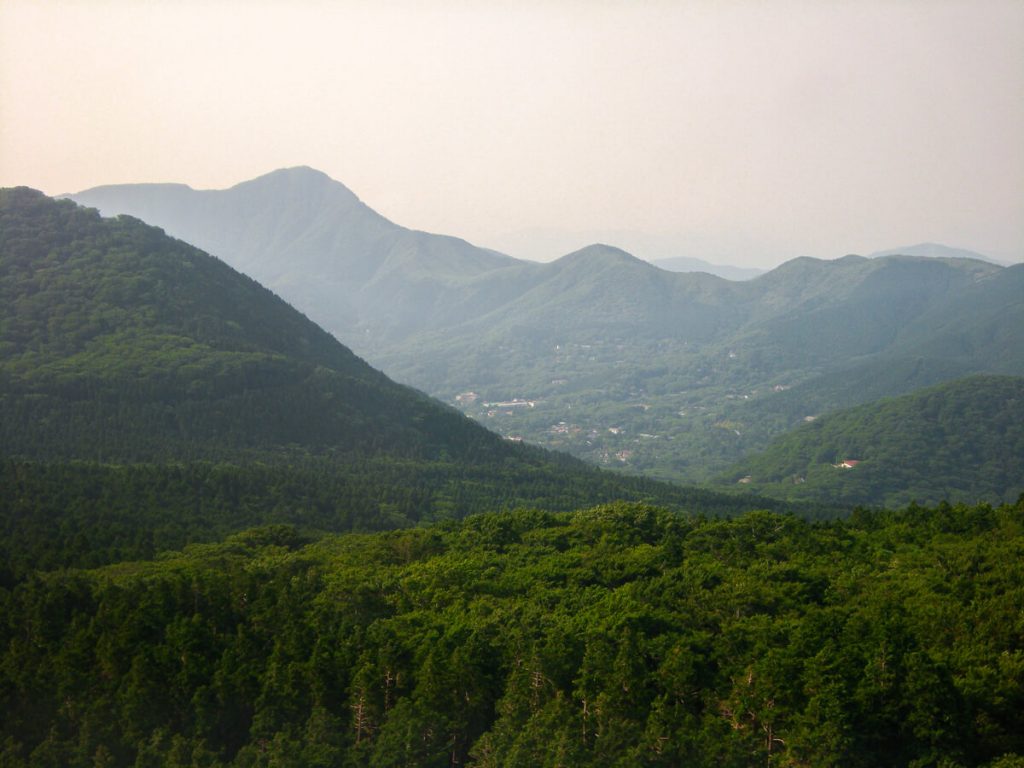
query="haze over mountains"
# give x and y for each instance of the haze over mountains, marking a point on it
(314, 243)
(599, 353)
(544, 244)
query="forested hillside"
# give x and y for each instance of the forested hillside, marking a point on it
(151, 396)
(958, 441)
(620, 635)
(598, 353)
(122, 343)
(84, 514)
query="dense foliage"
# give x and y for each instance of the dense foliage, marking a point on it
(620, 635)
(82, 514)
(958, 441)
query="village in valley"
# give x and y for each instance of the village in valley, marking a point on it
(634, 420)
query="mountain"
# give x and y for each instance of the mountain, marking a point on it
(812, 314)
(150, 395)
(959, 440)
(981, 325)
(372, 283)
(389, 290)
(935, 251)
(689, 264)
(312, 241)
(121, 343)
(595, 291)
(670, 374)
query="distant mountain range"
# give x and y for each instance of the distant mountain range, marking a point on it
(959, 441)
(598, 353)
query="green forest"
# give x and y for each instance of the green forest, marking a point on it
(85, 514)
(617, 635)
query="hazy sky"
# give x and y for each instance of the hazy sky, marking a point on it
(740, 132)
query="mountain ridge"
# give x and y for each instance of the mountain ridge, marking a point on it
(610, 337)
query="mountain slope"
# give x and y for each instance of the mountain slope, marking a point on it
(122, 343)
(982, 325)
(854, 307)
(979, 328)
(958, 440)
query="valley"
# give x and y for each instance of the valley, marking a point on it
(609, 410)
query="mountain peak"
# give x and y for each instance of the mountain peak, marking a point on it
(297, 173)
(600, 253)
(298, 181)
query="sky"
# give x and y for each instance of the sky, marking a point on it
(744, 133)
